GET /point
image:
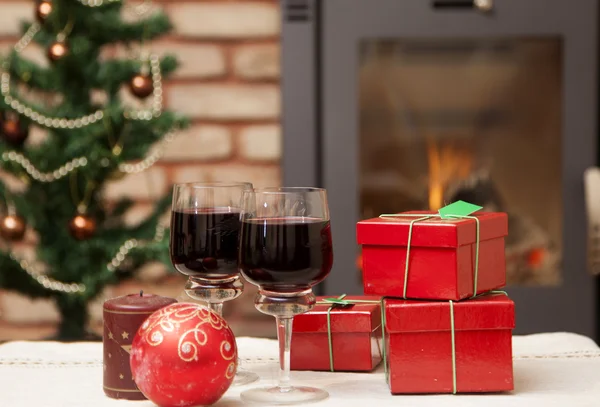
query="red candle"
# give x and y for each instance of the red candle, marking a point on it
(122, 318)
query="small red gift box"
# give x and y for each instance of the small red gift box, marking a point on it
(422, 336)
(355, 332)
(443, 258)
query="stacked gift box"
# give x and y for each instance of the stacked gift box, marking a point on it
(432, 309)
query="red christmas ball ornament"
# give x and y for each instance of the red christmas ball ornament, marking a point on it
(184, 355)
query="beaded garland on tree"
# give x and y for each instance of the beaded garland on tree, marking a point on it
(80, 152)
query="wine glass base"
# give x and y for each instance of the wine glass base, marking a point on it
(243, 377)
(283, 396)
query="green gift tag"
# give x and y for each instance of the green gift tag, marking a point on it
(458, 208)
(338, 301)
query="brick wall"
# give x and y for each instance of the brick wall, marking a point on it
(228, 83)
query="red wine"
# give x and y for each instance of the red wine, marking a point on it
(285, 254)
(204, 242)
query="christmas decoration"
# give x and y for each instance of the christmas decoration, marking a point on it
(76, 145)
(122, 317)
(450, 347)
(184, 355)
(58, 50)
(141, 86)
(463, 344)
(469, 251)
(43, 10)
(13, 131)
(13, 227)
(72, 165)
(82, 227)
(346, 340)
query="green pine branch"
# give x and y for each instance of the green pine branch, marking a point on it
(119, 209)
(95, 143)
(108, 76)
(137, 257)
(49, 207)
(32, 74)
(93, 28)
(112, 74)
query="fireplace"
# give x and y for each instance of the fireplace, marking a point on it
(442, 120)
(401, 105)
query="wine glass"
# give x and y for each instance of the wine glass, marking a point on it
(205, 225)
(285, 249)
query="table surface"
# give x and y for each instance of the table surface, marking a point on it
(551, 370)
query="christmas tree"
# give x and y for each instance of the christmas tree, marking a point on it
(93, 136)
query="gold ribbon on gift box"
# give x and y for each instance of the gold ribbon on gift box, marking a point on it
(457, 210)
(342, 302)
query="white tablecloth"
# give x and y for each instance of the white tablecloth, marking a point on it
(551, 370)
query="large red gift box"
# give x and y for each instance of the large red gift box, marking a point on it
(442, 258)
(355, 336)
(420, 343)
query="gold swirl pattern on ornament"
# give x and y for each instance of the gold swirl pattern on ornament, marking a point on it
(167, 319)
(226, 349)
(216, 321)
(230, 372)
(187, 349)
(187, 312)
(167, 326)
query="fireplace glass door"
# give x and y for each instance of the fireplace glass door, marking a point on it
(472, 119)
(396, 105)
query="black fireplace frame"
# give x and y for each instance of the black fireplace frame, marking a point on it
(320, 121)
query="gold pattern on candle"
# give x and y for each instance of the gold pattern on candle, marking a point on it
(125, 335)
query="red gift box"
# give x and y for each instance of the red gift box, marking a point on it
(355, 336)
(420, 343)
(442, 260)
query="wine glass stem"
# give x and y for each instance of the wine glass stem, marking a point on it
(216, 307)
(284, 335)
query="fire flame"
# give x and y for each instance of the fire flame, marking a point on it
(448, 161)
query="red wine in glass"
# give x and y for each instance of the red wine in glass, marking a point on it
(285, 249)
(204, 242)
(205, 226)
(285, 254)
